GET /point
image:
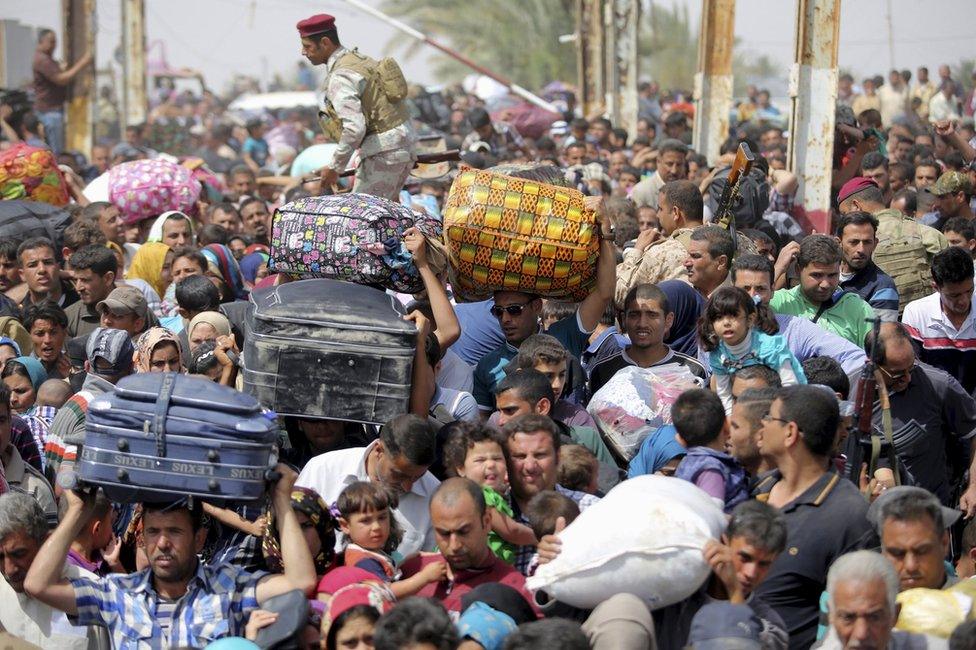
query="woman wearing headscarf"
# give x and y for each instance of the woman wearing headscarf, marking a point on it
(223, 263)
(23, 377)
(686, 305)
(254, 266)
(174, 233)
(9, 349)
(310, 509)
(158, 350)
(207, 326)
(152, 264)
(658, 454)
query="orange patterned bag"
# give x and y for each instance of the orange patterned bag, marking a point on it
(32, 173)
(510, 234)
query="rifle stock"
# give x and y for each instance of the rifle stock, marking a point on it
(725, 212)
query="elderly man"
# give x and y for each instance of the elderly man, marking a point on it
(399, 461)
(824, 514)
(932, 417)
(862, 587)
(23, 528)
(461, 525)
(709, 259)
(208, 601)
(913, 527)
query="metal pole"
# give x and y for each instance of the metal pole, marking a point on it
(410, 31)
(622, 20)
(133, 62)
(891, 36)
(79, 37)
(813, 91)
(713, 81)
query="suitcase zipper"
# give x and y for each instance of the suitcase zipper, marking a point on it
(353, 347)
(344, 326)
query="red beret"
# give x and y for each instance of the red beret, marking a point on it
(316, 24)
(854, 186)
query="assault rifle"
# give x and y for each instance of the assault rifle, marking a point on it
(869, 385)
(725, 212)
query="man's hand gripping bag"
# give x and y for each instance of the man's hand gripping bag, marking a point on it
(644, 538)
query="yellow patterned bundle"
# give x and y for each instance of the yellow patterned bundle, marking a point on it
(511, 234)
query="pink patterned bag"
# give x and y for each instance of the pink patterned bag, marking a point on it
(142, 189)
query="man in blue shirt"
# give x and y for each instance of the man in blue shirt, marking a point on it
(859, 274)
(518, 314)
(178, 600)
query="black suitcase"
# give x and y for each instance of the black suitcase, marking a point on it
(329, 349)
(162, 436)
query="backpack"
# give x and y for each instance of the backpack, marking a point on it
(753, 197)
(901, 254)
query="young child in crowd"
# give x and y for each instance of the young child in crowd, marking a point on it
(738, 332)
(543, 513)
(578, 469)
(476, 452)
(544, 352)
(372, 535)
(255, 151)
(699, 419)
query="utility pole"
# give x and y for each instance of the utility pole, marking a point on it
(78, 38)
(590, 59)
(133, 62)
(713, 81)
(621, 20)
(891, 36)
(813, 93)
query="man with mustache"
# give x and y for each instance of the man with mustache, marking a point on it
(178, 599)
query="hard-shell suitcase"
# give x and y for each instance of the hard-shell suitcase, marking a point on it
(162, 436)
(329, 349)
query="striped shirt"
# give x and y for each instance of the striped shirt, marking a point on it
(217, 604)
(938, 341)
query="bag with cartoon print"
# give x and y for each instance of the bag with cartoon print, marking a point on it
(352, 237)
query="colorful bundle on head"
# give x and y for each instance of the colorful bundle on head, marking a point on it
(511, 234)
(147, 188)
(32, 173)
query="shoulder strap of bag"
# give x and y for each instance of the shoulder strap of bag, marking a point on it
(158, 428)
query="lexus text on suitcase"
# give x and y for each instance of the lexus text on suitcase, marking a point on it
(160, 436)
(329, 349)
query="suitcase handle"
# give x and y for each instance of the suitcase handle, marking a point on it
(159, 417)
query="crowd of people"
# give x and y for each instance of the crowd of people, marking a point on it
(420, 532)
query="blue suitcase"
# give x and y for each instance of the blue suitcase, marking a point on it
(162, 436)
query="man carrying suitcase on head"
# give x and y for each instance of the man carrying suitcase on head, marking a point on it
(178, 600)
(364, 109)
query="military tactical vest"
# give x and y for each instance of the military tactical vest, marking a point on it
(382, 98)
(901, 254)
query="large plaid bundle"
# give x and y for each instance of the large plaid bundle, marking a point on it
(32, 173)
(511, 234)
(352, 237)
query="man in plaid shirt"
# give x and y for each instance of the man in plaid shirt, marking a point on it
(178, 600)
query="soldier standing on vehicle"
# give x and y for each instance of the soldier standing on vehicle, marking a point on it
(364, 107)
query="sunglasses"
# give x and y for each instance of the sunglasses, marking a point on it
(898, 375)
(511, 310)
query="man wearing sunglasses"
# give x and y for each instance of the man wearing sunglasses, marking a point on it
(518, 315)
(932, 417)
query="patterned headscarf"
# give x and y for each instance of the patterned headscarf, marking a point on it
(148, 341)
(310, 504)
(147, 265)
(223, 259)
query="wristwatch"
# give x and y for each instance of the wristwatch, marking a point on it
(606, 235)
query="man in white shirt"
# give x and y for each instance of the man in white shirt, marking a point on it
(399, 461)
(894, 98)
(23, 528)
